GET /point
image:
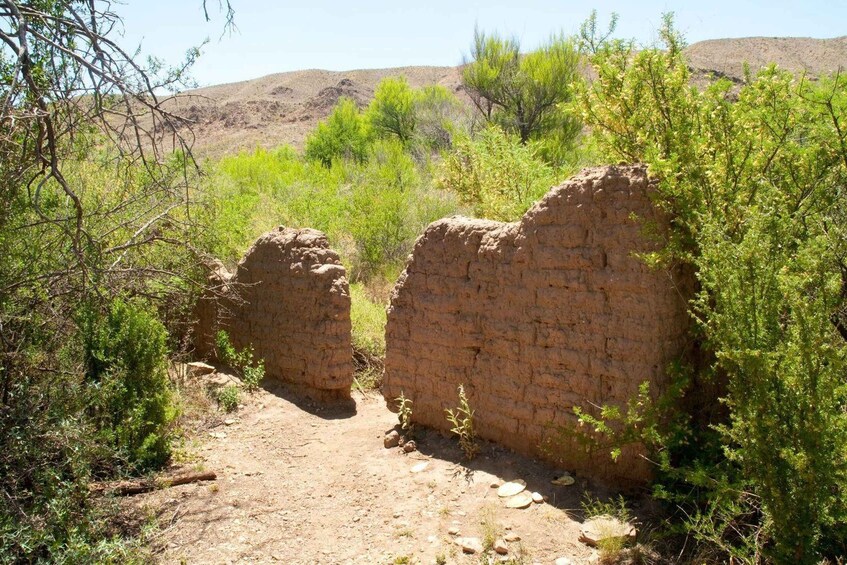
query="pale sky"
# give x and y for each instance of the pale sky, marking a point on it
(277, 36)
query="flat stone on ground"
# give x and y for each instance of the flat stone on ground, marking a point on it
(601, 528)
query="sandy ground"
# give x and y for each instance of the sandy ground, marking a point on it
(301, 483)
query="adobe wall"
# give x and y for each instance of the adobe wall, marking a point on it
(536, 317)
(290, 300)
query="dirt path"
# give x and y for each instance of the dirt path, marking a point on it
(298, 483)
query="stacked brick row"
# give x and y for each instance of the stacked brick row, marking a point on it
(537, 317)
(290, 300)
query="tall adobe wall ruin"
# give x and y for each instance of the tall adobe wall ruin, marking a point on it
(290, 300)
(537, 317)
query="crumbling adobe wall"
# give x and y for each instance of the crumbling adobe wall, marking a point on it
(290, 300)
(538, 316)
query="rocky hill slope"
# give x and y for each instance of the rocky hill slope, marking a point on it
(284, 107)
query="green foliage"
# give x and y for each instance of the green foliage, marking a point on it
(228, 398)
(251, 371)
(754, 180)
(343, 135)
(371, 212)
(526, 94)
(426, 118)
(463, 425)
(125, 356)
(404, 414)
(368, 319)
(392, 110)
(495, 174)
(439, 117)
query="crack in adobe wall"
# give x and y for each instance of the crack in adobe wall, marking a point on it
(289, 298)
(538, 316)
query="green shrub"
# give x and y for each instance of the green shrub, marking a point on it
(368, 318)
(343, 135)
(126, 362)
(392, 110)
(495, 174)
(251, 371)
(754, 181)
(228, 398)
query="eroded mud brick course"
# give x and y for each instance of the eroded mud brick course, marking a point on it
(538, 316)
(289, 298)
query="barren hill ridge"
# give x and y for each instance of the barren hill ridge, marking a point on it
(284, 107)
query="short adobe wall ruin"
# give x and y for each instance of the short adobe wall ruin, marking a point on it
(536, 317)
(290, 300)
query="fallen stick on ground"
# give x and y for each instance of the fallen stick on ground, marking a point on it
(129, 488)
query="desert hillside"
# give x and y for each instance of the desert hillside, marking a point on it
(284, 107)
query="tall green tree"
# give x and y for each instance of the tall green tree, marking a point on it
(344, 134)
(392, 110)
(524, 93)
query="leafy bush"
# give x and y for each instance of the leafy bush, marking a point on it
(228, 398)
(125, 355)
(392, 110)
(251, 371)
(496, 175)
(368, 318)
(343, 135)
(754, 181)
(427, 117)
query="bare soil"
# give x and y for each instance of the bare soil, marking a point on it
(300, 482)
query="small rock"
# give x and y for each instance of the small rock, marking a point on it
(511, 488)
(495, 484)
(563, 481)
(537, 498)
(563, 561)
(218, 435)
(230, 421)
(392, 439)
(512, 537)
(601, 528)
(469, 545)
(500, 547)
(520, 500)
(410, 446)
(198, 369)
(420, 467)
(453, 530)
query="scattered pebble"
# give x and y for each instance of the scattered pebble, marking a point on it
(537, 498)
(564, 481)
(469, 545)
(601, 528)
(217, 435)
(420, 467)
(512, 537)
(392, 439)
(410, 446)
(453, 531)
(520, 500)
(563, 561)
(511, 488)
(230, 421)
(500, 547)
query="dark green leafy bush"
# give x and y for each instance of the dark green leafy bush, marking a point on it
(754, 178)
(125, 354)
